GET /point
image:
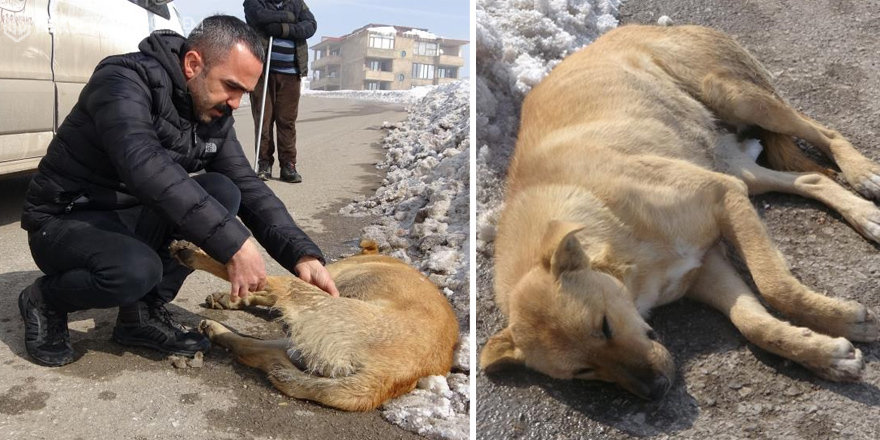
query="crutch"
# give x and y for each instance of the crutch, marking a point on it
(262, 106)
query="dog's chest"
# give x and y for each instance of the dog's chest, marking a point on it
(669, 277)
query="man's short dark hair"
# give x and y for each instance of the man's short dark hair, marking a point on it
(216, 35)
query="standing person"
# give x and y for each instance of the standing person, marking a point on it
(114, 188)
(290, 23)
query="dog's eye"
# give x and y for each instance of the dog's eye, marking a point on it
(606, 329)
(583, 371)
(652, 335)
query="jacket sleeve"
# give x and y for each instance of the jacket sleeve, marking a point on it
(119, 103)
(258, 15)
(303, 29)
(285, 24)
(261, 210)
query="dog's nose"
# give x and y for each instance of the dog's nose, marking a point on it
(659, 387)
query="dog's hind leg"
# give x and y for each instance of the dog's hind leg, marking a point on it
(719, 286)
(741, 225)
(741, 102)
(272, 358)
(733, 159)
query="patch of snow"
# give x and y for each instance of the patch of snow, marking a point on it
(422, 34)
(396, 96)
(518, 43)
(423, 206)
(384, 30)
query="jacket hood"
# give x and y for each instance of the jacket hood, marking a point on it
(168, 48)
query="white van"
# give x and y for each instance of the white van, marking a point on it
(48, 50)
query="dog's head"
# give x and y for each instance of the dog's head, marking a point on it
(570, 321)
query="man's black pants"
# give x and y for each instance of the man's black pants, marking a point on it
(102, 259)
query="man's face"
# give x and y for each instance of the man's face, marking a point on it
(217, 90)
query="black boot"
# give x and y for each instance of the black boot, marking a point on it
(46, 337)
(289, 174)
(144, 325)
(264, 170)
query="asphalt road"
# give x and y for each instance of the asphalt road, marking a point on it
(113, 392)
(825, 56)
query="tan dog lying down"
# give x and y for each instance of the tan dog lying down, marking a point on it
(389, 327)
(620, 193)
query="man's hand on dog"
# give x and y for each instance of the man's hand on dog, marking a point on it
(247, 271)
(313, 272)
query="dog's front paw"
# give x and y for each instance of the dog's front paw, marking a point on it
(222, 301)
(865, 327)
(865, 180)
(844, 363)
(865, 218)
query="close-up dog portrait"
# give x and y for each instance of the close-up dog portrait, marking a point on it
(629, 184)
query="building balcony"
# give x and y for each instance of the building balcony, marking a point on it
(372, 52)
(329, 60)
(325, 84)
(449, 60)
(378, 75)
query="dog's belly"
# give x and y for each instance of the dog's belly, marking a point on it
(671, 279)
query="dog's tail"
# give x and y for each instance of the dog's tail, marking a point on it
(369, 247)
(784, 155)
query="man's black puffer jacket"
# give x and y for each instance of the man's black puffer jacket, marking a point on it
(132, 138)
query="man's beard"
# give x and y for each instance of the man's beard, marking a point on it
(202, 103)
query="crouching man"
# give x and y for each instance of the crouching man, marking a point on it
(114, 188)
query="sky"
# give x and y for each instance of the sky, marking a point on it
(449, 18)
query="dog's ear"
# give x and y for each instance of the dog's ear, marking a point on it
(562, 250)
(500, 352)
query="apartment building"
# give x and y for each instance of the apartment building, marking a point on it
(383, 57)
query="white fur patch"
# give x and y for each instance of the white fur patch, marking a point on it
(666, 287)
(753, 148)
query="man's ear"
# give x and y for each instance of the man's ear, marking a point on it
(500, 353)
(562, 250)
(193, 64)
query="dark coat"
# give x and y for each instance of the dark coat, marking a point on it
(293, 21)
(132, 138)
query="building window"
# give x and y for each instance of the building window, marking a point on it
(423, 71)
(378, 65)
(334, 52)
(453, 51)
(381, 41)
(377, 85)
(447, 72)
(401, 77)
(426, 48)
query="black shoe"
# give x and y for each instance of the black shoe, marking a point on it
(289, 174)
(46, 337)
(264, 171)
(143, 325)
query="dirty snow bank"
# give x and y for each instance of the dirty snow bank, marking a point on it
(423, 208)
(518, 43)
(396, 96)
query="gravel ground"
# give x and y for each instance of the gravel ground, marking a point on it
(824, 54)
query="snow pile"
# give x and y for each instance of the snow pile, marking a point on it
(421, 34)
(423, 205)
(397, 96)
(437, 408)
(518, 43)
(383, 30)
